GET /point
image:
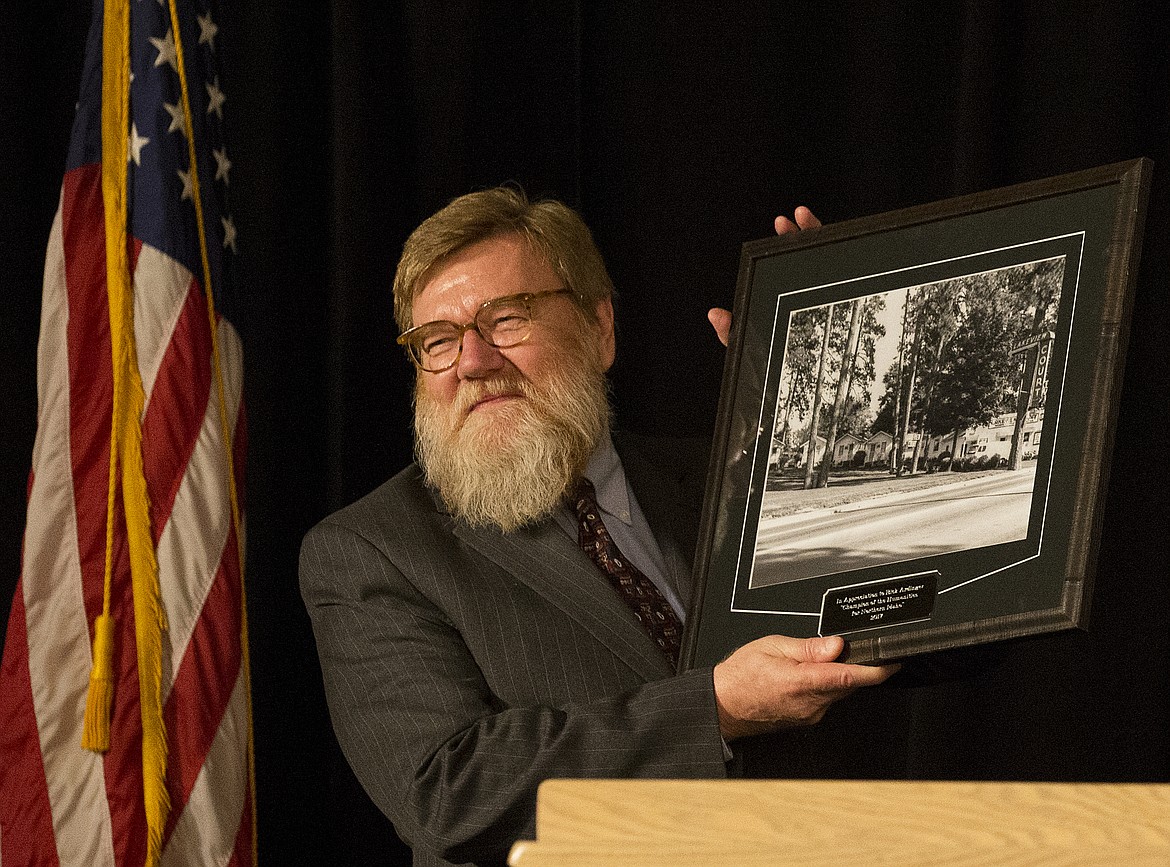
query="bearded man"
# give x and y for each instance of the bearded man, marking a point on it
(478, 625)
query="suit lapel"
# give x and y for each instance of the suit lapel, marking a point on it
(549, 562)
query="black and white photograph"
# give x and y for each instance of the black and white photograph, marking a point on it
(909, 423)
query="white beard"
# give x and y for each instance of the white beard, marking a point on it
(512, 464)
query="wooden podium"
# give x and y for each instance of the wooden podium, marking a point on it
(631, 823)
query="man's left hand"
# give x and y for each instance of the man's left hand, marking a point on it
(802, 218)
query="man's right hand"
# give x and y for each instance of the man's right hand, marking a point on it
(779, 682)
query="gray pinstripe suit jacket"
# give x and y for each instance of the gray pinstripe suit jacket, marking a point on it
(463, 666)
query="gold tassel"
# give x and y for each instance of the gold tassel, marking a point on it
(100, 699)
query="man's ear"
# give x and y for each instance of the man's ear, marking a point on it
(607, 345)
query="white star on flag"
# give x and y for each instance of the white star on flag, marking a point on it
(207, 30)
(188, 190)
(229, 233)
(166, 50)
(215, 99)
(178, 122)
(222, 164)
(136, 144)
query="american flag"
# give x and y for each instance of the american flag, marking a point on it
(189, 798)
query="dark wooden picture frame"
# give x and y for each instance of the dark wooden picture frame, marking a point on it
(988, 334)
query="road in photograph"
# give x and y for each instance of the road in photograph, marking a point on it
(971, 513)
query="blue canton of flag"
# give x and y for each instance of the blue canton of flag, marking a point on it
(161, 211)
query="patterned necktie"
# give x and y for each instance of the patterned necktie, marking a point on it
(638, 591)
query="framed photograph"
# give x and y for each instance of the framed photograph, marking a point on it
(916, 422)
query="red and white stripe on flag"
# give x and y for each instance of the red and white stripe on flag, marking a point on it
(60, 803)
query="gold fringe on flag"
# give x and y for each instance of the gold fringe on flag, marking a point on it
(126, 447)
(95, 733)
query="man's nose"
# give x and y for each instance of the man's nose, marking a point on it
(479, 358)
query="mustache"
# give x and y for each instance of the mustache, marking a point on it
(472, 392)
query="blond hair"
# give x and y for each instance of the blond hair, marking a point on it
(555, 231)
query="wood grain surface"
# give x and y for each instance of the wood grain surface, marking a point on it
(635, 822)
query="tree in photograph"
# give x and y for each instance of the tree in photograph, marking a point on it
(977, 378)
(865, 358)
(800, 361)
(892, 397)
(822, 362)
(913, 325)
(850, 349)
(887, 411)
(855, 418)
(942, 306)
(844, 380)
(846, 350)
(954, 367)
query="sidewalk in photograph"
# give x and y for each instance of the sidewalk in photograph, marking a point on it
(850, 487)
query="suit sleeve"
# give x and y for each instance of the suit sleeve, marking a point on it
(453, 764)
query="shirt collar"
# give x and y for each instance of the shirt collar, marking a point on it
(609, 479)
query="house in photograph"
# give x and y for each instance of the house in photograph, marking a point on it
(993, 438)
(996, 436)
(845, 447)
(877, 448)
(818, 452)
(942, 444)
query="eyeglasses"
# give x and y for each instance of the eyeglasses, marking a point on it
(501, 322)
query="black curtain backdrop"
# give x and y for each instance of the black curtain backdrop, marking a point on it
(679, 132)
